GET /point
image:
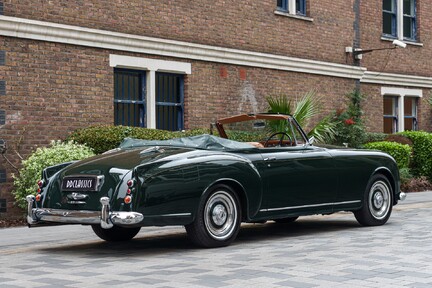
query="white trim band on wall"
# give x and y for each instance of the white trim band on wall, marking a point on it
(396, 79)
(120, 61)
(75, 35)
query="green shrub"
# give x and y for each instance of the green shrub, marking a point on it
(405, 175)
(243, 136)
(422, 152)
(350, 129)
(400, 152)
(26, 182)
(398, 138)
(374, 137)
(106, 137)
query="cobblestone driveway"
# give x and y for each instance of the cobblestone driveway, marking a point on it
(319, 251)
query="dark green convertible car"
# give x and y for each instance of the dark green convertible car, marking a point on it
(212, 184)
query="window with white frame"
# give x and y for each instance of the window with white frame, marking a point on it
(400, 19)
(390, 114)
(400, 109)
(295, 7)
(149, 92)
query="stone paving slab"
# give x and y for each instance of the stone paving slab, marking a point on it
(317, 251)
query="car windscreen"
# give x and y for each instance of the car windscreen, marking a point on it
(206, 142)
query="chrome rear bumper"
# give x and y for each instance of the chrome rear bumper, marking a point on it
(105, 217)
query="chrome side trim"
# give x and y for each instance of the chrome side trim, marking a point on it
(310, 206)
(176, 215)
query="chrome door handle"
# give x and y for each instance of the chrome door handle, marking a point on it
(269, 158)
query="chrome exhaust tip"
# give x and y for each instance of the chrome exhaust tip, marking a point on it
(402, 196)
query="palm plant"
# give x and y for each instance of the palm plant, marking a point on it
(303, 110)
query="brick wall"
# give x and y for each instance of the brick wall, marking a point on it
(51, 89)
(413, 60)
(229, 95)
(373, 108)
(251, 25)
(65, 87)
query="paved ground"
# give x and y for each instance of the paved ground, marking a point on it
(330, 251)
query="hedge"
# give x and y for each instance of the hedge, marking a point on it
(106, 137)
(400, 152)
(422, 151)
(374, 137)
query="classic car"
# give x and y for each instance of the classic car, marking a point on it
(212, 184)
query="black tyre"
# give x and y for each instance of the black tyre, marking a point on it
(377, 202)
(285, 220)
(116, 233)
(218, 220)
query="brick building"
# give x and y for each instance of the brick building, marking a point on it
(181, 64)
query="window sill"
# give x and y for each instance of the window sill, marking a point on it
(405, 41)
(300, 17)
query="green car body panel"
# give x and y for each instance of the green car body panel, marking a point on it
(275, 182)
(168, 184)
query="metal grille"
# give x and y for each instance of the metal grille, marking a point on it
(2, 58)
(129, 100)
(2, 87)
(3, 205)
(2, 176)
(2, 117)
(169, 101)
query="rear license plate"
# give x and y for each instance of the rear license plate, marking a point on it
(80, 183)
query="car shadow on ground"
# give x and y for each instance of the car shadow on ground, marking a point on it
(177, 241)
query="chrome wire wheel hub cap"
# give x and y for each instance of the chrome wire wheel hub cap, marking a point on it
(220, 215)
(379, 200)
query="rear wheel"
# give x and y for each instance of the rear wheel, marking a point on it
(377, 202)
(218, 220)
(116, 233)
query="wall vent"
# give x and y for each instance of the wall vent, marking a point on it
(2, 117)
(3, 205)
(2, 58)
(2, 87)
(2, 176)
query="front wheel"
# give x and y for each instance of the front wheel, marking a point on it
(115, 233)
(377, 202)
(218, 220)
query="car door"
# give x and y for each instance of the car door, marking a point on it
(298, 179)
